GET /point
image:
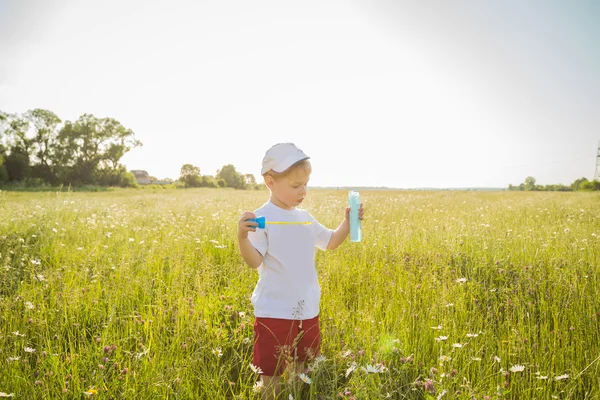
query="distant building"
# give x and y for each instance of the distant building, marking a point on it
(142, 177)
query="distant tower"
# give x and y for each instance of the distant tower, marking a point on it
(597, 173)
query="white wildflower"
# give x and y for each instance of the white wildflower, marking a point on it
(517, 368)
(351, 369)
(305, 378)
(29, 350)
(258, 387)
(461, 280)
(371, 369)
(255, 369)
(217, 352)
(441, 338)
(561, 377)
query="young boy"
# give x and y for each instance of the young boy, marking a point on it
(286, 297)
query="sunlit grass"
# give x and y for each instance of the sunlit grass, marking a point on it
(144, 295)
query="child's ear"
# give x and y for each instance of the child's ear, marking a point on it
(269, 181)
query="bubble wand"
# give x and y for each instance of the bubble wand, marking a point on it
(262, 222)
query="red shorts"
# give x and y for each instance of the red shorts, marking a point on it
(280, 341)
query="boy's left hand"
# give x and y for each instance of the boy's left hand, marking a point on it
(361, 212)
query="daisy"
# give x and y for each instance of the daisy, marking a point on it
(461, 280)
(320, 358)
(217, 352)
(258, 387)
(517, 368)
(2, 394)
(351, 369)
(441, 338)
(371, 369)
(255, 369)
(457, 345)
(305, 378)
(29, 350)
(472, 335)
(561, 377)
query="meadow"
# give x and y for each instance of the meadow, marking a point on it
(142, 294)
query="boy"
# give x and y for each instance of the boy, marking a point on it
(286, 297)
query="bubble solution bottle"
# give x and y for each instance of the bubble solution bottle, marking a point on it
(355, 228)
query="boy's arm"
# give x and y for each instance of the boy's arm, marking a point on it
(339, 235)
(250, 254)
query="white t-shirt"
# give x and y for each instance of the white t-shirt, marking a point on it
(288, 287)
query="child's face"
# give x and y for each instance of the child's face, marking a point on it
(289, 191)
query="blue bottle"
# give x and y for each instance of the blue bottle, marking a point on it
(355, 228)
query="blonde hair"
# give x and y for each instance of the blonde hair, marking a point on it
(302, 164)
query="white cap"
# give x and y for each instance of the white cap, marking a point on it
(282, 156)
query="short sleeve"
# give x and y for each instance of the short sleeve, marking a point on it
(322, 234)
(259, 240)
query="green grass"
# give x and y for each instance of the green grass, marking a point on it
(131, 294)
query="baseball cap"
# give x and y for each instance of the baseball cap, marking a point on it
(282, 156)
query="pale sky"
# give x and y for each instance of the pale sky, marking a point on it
(401, 94)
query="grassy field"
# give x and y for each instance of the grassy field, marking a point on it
(453, 295)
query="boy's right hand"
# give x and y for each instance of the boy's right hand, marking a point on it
(245, 226)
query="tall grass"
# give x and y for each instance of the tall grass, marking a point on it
(450, 295)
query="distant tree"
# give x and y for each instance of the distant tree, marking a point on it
(576, 185)
(44, 125)
(231, 177)
(590, 185)
(3, 171)
(530, 183)
(221, 183)
(89, 145)
(190, 175)
(17, 165)
(16, 132)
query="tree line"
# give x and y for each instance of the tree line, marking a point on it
(578, 184)
(37, 148)
(227, 176)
